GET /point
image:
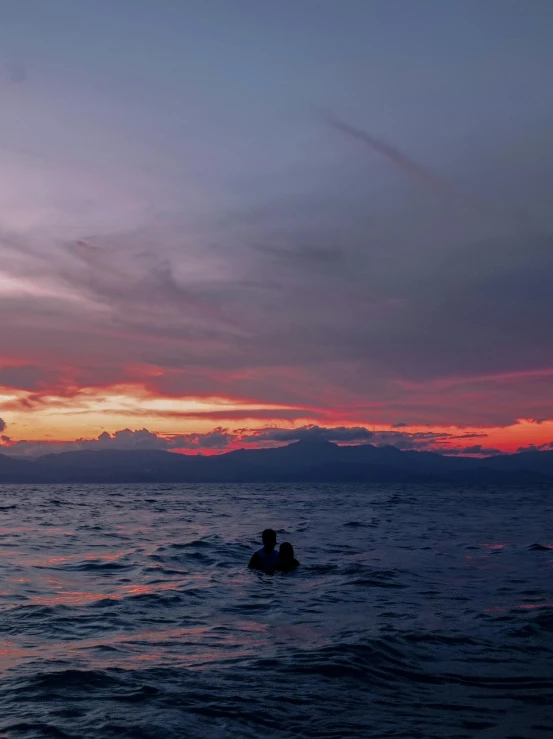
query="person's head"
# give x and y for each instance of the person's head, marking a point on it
(286, 552)
(269, 540)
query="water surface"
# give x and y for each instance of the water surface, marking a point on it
(127, 611)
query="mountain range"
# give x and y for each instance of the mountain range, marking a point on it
(303, 461)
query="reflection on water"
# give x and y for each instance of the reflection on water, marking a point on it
(404, 620)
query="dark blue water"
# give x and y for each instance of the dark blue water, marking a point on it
(127, 611)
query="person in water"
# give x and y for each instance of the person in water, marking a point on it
(266, 558)
(286, 561)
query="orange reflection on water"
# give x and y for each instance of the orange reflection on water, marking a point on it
(186, 646)
(72, 598)
(149, 588)
(109, 557)
(6, 649)
(13, 529)
(11, 656)
(81, 597)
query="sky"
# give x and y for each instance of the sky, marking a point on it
(237, 223)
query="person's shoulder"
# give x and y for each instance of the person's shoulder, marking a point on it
(255, 562)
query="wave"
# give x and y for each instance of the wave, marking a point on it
(130, 612)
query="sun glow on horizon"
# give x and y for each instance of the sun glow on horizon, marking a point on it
(54, 418)
(89, 411)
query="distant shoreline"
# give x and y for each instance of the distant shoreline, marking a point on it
(302, 462)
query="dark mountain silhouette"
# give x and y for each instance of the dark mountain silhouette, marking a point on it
(302, 461)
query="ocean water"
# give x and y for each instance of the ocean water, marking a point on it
(128, 611)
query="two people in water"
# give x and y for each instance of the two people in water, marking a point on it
(269, 560)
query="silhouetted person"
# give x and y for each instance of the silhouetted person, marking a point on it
(265, 558)
(286, 560)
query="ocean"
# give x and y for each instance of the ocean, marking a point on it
(418, 611)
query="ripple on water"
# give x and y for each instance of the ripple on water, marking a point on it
(128, 611)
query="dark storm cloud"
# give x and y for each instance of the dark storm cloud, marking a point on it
(3, 425)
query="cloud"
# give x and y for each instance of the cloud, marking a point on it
(3, 425)
(546, 447)
(30, 377)
(221, 439)
(143, 439)
(403, 162)
(418, 440)
(338, 435)
(477, 450)
(125, 439)
(217, 439)
(356, 300)
(481, 450)
(441, 185)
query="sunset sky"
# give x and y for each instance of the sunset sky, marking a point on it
(238, 223)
